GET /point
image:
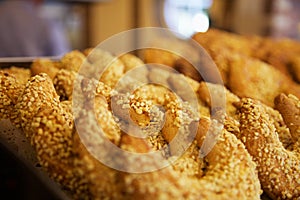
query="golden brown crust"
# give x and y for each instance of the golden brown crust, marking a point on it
(289, 107)
(186, 68)
(130, 61)
(21, 74)
(247, 78)
(44, 66)
(221, 180)
(179, 127)
(162, 96)
(222, 97)
(268, 50)
(282, 54)
(221, 162)
(64, 82)
(88, 178)
(87, 51)
(159, 56)
(59, 151)
(221, 40)
(106, 120)
(242, 62)
(226, 172)
(48, 125)
(190, 164)
(67, 113)
(72, 60)
(282, 129)
(10, 91)
(142, 112)
(92, 88)
(128, 143)
(113, 73)
(184, 87)
(138, 186)
(98, 181)
(103, 66)
(51, 138)
(71, 158)
(194, 84)
(294, 67)
(38, 92)
(278, 168)
(223, 62)
(144, 185)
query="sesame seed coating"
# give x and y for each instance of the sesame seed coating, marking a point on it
(10, 90)
(97, 181)
(63, 82)
(106, 120)
(230, 165)
(104, 66)
(257, 149)
(21, 74)
(278, 168)
(38, 92)
(51, 138)
(92, 88)
(72, 60)
(229, 174)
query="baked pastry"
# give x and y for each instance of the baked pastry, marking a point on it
(44, 66)
(241, 61)
(72, 60)
(131, 61)
(10, 91)
(289, 107)
(247, 78)
(278, 168)
(38, 92)
(214, 95)
(180, 182)
(64, 83)
(103, 66)
(21, 74)
(282, 54)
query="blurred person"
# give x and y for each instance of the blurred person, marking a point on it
(24, 32)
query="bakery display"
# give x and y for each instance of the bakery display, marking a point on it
(120, 129)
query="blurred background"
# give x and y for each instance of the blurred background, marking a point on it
(85, 23)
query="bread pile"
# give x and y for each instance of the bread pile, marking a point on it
(246, 149)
